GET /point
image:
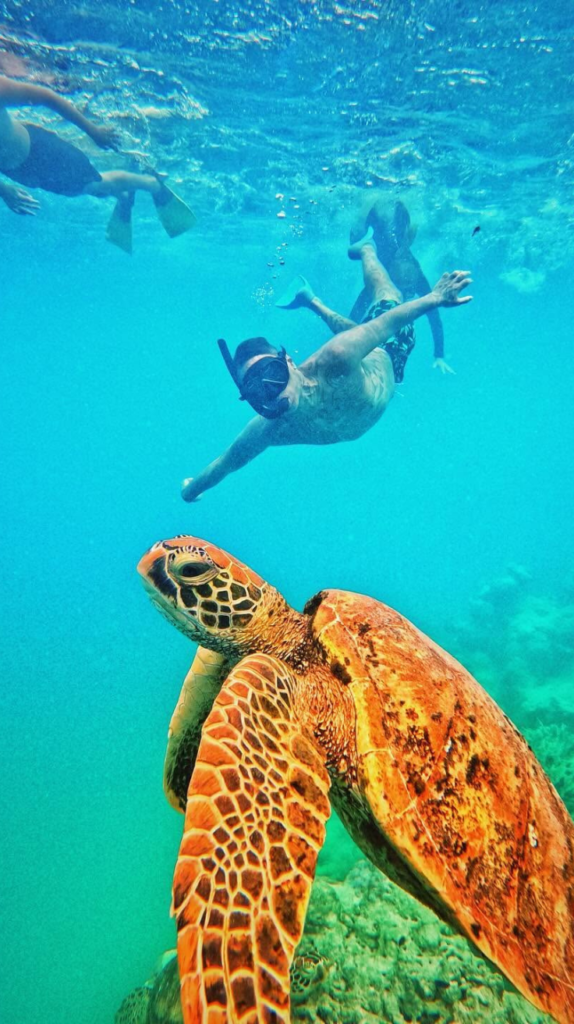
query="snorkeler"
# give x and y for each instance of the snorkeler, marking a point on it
(37, 158)
(393, 234)
(340, 391)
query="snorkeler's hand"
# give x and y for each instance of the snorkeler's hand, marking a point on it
(447, 290)
(189, 490)
(18, 200)
(105, 136)
(439, 364)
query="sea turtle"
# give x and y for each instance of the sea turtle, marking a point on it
(284, 713)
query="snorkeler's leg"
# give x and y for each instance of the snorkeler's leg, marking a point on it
(378, 284)
(335, 321)
(113, 183)
(175, 215)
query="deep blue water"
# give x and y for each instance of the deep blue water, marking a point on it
(113, 390)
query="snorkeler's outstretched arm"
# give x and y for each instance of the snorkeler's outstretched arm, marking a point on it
(344, 352)
(16, 94)
(247, 446)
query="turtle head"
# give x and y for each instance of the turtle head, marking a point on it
(210, 596)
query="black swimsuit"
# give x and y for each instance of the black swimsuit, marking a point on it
(53, 164)
(398, 348)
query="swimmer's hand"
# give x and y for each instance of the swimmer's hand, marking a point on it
(105, 136)
(18, 200)
(439, 364)
(189, 490)
(446, 292)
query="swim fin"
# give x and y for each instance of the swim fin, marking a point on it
(119, 230)
(174, 214)
(296, 293)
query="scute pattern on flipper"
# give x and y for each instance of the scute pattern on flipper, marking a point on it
(458, 793)
(255, 822)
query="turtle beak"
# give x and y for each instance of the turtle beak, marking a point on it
(146, 563)
(152, 569)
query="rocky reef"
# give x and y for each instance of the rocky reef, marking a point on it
(391, 959)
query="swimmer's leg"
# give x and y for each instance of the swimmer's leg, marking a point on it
(300, 295)
(377, 283)
(114, 183)
(335, 321)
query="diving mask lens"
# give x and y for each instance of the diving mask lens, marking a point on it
(265, 380)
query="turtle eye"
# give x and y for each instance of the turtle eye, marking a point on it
(194, 572)
(191, 570)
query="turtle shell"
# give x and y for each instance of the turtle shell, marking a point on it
(456, 794)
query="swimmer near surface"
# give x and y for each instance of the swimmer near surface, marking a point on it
(284, 714)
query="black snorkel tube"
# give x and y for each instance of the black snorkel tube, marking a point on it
(252, 388)
(228, 360)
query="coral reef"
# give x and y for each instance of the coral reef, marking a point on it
(520, 645)
(552, 742)
(393, 960)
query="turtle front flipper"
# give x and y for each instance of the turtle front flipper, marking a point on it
(254, 826)
(200, 688)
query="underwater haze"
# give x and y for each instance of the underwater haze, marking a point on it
(276, 121)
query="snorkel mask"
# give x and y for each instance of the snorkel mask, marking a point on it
(263, 382)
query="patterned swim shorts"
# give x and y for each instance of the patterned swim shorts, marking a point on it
(398, 348)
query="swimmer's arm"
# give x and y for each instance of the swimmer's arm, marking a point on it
(346, 350)
(15, 94)
(18, 200)
(251, 442)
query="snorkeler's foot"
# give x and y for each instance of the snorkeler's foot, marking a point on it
(119, 229)
(175, 215)
(298, 293)
(354, 250)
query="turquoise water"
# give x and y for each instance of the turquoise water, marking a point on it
(113, 390)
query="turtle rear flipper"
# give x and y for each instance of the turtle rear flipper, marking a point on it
(255, 823)
(134, 1007)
